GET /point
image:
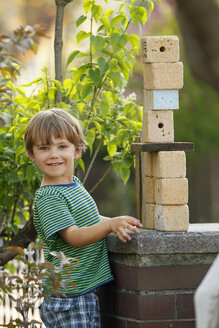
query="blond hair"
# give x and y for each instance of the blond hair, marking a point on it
(55, 123)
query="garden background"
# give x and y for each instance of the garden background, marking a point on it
(196, 121)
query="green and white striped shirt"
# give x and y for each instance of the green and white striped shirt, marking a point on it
(57, 207)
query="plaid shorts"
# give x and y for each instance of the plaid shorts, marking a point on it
(73, 312)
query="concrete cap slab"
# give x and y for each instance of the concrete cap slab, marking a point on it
(199, 239)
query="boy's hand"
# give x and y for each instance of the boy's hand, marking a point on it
(120, 225)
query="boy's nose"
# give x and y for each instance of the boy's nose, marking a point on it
(53, 153)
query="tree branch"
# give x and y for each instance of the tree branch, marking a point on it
(91, 163)
(101, 179)
(22, 239)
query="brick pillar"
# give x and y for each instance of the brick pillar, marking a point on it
(156, 274)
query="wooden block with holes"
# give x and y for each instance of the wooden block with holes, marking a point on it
(161, 99)
(171, 191)
(171, 218)
(160, 49)
(164, 164)
(157, 126)
(163, 76)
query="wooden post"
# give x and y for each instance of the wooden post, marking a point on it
(138, 181)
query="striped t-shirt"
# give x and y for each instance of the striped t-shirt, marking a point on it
(57, 207)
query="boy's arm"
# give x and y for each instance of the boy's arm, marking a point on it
(79, 237)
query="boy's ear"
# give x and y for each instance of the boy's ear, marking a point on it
(77, 153)
(31, 156)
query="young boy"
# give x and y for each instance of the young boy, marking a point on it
(67, 219)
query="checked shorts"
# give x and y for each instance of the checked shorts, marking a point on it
(73, 312)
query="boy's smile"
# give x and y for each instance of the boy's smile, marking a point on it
(55, 160)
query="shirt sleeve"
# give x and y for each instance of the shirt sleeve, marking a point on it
(53, 214)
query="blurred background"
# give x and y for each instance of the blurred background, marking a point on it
(196, 23)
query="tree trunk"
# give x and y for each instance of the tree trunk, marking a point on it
(58, 42)
(199, 24)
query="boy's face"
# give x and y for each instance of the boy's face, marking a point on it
(55, 160)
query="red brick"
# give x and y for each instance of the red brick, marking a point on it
(185, 306)
(159, 277)
(106, 299)
(143, 307)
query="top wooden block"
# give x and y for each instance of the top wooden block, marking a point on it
(160, 49)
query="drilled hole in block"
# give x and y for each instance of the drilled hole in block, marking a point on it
(162, 49)
(160, 125)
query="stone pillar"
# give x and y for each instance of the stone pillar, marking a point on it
(156, 274)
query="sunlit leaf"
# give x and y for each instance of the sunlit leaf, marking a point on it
(125, 174)
(138, 14)
(82, 35)
(87, 5)
(81, 20)
(111, 148)
(96, 12)
(72, 56)
(106, 22)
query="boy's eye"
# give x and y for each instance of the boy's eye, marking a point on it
(62, 146)
(43, 148)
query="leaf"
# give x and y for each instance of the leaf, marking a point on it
(56, 286)
(106, 22)
(86, 90)
(118, 165)
(125, 174)
(115, 20)
(96, 12)
(52, 92)
(151, 7)
(134, 41)
(72, 56)
(104, 107)
(13, 177)
(103, 65)
(87, 5)
(124, 69)
(80, 162)
(18, 250)
(111, 148)
(95, 77)
(108, 12)
(82, 35)
(81, 20)
(116, 78)
(58, 84)
(98, 43)
(39, 79)
(72, 284)
(90, 138)
(138, 14)
(98, 127)
(121, 135)
(118, 41)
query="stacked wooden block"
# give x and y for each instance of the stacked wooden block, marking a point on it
(164, 182)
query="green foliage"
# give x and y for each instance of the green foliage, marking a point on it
(93, 91)
(26, 288)
(17, 177)
(97, 85)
